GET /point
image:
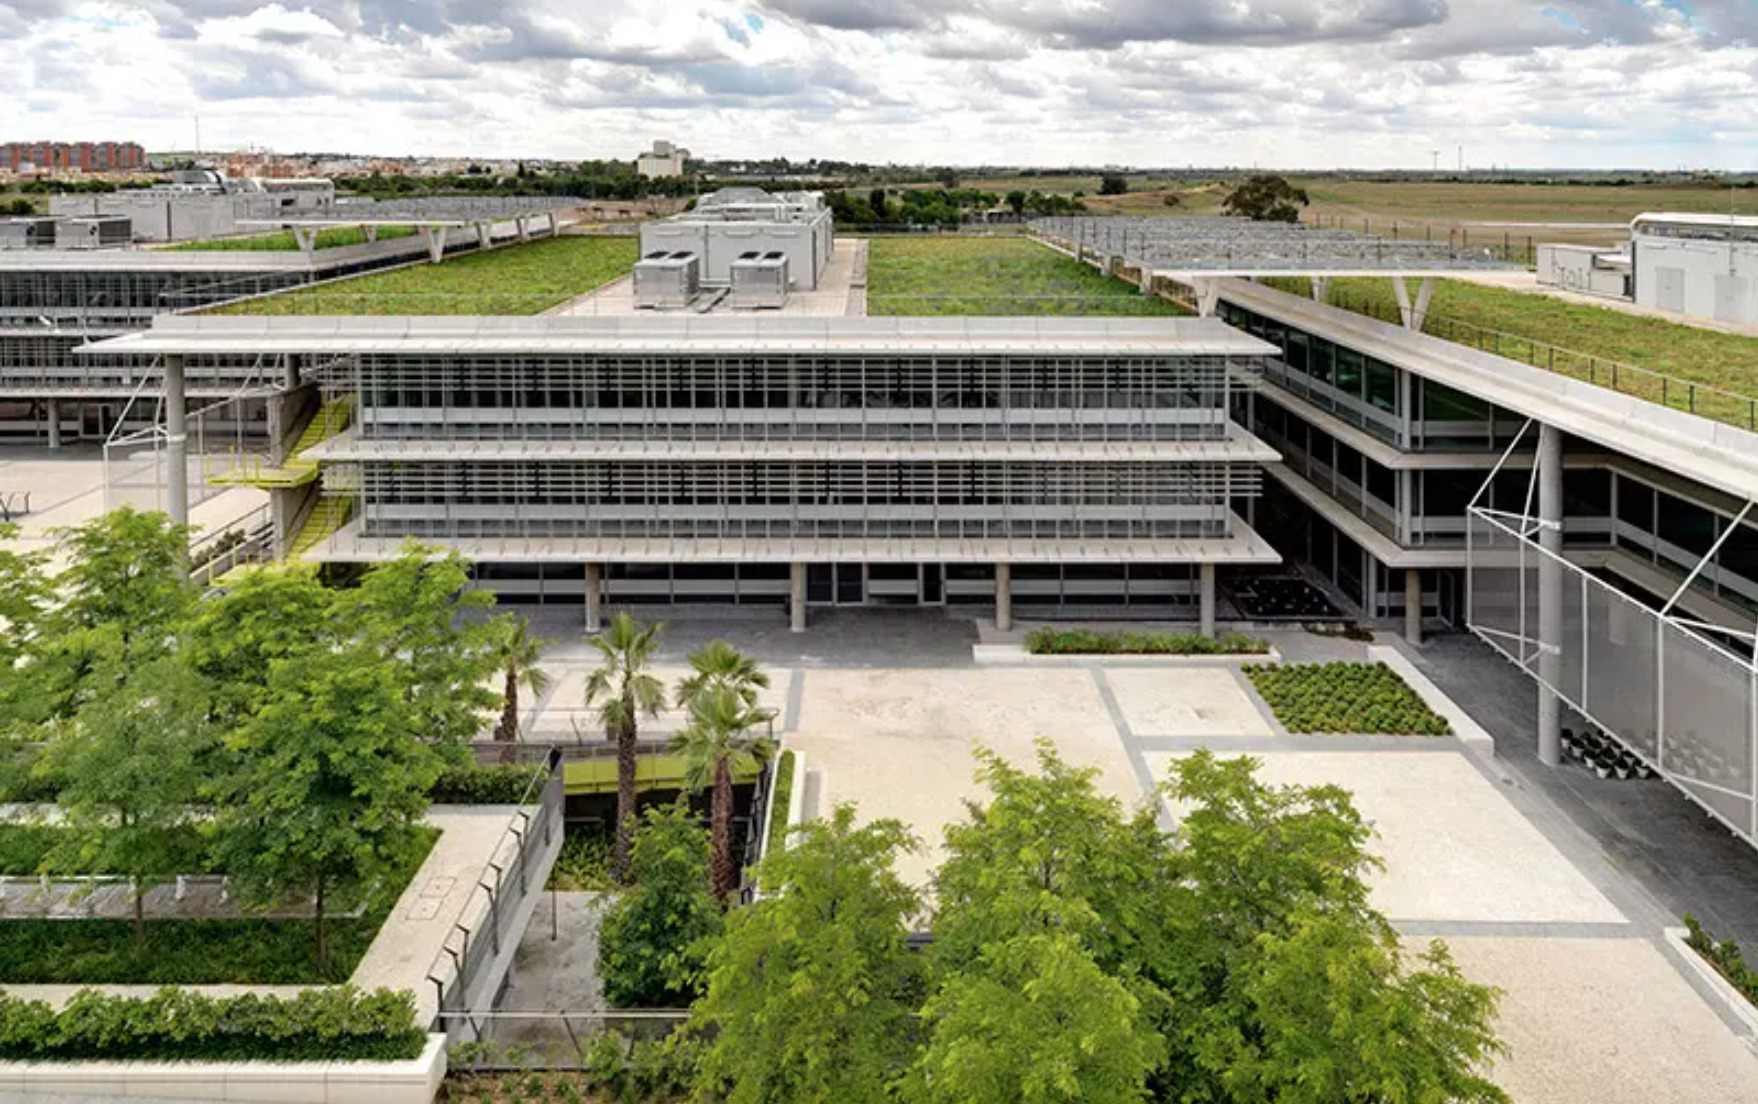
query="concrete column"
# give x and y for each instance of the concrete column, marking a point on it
(176, 442)
(1550, 593)
(1413, 605)
(1413, 314)
(53, 409)
(1205, 575)
(796, 605)
(594, 598)
(1004, 597)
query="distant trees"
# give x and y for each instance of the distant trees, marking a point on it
(1016, 199)
(1266, 198)
(1113, 184)
(877, 204)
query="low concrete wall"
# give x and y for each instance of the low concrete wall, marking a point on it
(412, 1082)
(1015, 655)
(1732, 1000)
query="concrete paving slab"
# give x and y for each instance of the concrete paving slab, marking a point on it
(1604, 1021)
(1185, 702)
(1454, 848)
(900, 743)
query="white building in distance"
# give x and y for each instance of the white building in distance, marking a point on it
(664, 159)
(1698, 265)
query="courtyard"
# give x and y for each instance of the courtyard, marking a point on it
(887, 710)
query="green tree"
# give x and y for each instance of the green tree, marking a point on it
(422, 617)
(1113, 184)
(655, 937)
(876, 201)
(1016, 199)
(1034, 1021)
(131, 769)
(520, 654)
(715, 743)
(125, 571)
(1266, 198)
(270, 614)
(330, 783)
(623, 687)
(813, 989)
(718, 664)
(25, 595)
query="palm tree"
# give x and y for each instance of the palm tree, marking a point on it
(721, 664)
(622, 688)
(716, 741)
(519, 654)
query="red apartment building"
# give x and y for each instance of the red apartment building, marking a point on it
(90, 157)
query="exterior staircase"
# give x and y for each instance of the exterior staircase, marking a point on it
(327, 517)
(252, 471)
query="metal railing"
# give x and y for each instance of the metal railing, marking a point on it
(505, 882)
(1702, 399)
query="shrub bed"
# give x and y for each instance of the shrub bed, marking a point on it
(1366, 698)
(784, 794)
(1049, 641)
(583, 864)
(318, 1025)
(25, 850)
(1725, 956)
(502, 785)
(193, 952)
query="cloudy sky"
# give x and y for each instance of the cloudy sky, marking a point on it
(1286, 83)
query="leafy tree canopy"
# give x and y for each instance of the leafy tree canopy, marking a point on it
(812, 991)
(1266, 198)
(653, 940)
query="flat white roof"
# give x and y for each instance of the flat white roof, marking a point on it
(1692, 219)
(688, 335)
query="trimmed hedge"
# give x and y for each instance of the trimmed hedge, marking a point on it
(25, 849)
(784, 794)
(172, 1025)
(500, 785)
(1725, 956)
(1048, 641)
(1348, 698)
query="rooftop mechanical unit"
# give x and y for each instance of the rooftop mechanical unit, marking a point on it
(667, 280)
(27, 233)
(759, 281)
(97, 232)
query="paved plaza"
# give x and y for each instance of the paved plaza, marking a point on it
(888, 709)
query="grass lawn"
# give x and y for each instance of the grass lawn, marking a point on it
(514, 279)
(992, 276)
(191, 952)
(1722, 360)
(283, 241)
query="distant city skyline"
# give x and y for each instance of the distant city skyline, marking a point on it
(1364, 84)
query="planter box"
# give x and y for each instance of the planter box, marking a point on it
(1015, 655)
(413, 1082)
(1467, 731)
(1730, 998)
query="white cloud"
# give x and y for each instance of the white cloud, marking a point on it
(1353, 83)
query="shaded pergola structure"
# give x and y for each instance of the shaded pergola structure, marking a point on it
(433, 217)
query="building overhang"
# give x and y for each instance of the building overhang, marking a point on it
(1704, 451)
(1244, 547)
(692, 336)
(1239, 447)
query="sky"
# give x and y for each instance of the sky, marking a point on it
(1663, 84)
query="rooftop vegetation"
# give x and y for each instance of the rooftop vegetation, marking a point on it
(283, 241)
(1532, 328)
(968, 275)
(515, 279)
